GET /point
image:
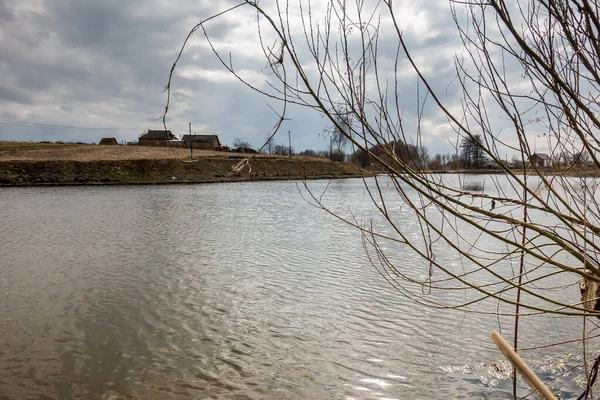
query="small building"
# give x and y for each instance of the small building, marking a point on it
(202, 142)
(246, 150)
(156, 138)
(541, 160)
(108, 141)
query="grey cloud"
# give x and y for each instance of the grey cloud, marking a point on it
(5, 13)
(85, 23)
(9, 95)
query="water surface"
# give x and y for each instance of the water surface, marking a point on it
(229, 291)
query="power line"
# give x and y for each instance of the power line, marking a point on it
(64, 127)
(101, 129)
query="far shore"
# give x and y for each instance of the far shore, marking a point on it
(43, 164)
(581, 172)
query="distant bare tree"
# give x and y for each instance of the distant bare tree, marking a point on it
(269, 145)
(308, 153)
(239, 143)
(282, 150)
(436, 163)
(472, 152)
(338, 135)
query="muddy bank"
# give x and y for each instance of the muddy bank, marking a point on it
(201, 170)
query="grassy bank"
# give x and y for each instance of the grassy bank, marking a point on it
(87, 164)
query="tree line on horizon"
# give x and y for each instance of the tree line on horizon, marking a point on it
(470, 154)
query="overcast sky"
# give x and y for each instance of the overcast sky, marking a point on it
(104, 64)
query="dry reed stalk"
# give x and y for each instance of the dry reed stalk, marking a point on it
(530, 377)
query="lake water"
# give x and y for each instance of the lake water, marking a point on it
(231, 291)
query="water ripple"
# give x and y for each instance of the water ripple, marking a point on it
(221, 291)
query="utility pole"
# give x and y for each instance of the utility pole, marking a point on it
(290, 141)
(191, 148)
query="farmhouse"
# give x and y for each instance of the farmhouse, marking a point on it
(109, 141)
(156, 138)
(203, 142)
(541, 160)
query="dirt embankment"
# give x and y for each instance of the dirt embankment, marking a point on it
(79, 165)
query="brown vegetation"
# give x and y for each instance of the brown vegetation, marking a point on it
(87, 164)
(16, 151)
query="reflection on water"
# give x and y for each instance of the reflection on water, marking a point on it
(223, 291)
(473, 186)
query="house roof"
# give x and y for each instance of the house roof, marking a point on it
(158, 135)
(201, 138)
(108, 140)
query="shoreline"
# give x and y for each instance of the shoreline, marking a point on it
(21, 173)
(201, 170)
(40, 164)
(571, 172)
(175, 182)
